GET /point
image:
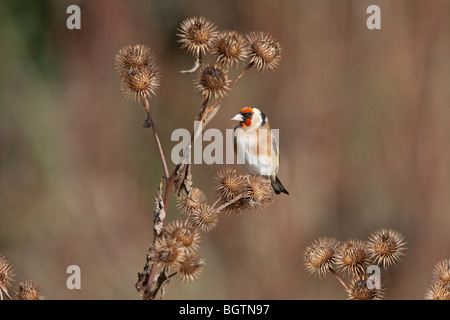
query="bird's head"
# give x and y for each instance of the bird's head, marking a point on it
(252, 118)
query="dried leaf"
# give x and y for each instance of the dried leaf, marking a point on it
(159, 213)
(184, 179)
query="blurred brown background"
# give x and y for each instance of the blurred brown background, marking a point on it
(364, 119)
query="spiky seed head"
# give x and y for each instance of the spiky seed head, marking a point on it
(264, 51)
(228, 183)
(189, 267)
(167, 251)
(385, 247)
(184, 233)
(229, 47)
(438, 291)
(441, 272)
(6, 274)
(320, 256)
(259, 193)
(212, 81)
(139, 83)
(352, 257)
(196, 34)
(134, 57)
(188, 203)
(359, 290)
(29, 290)
(205, 218)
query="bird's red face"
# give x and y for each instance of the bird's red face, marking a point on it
(247, 115)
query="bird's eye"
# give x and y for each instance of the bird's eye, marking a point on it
(248, 115)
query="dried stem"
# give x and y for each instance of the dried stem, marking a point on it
(197, 64)
(6, 292)
(170, 181)
(219, 100)
(223, 206)
(150, 123)
(338, 277)
(248, 67)
(215, 203)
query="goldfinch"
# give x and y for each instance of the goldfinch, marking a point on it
(256, 147)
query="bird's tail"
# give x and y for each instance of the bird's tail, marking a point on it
(277, 186)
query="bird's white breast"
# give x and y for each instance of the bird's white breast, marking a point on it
(255, 160)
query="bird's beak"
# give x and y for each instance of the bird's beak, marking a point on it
(238, 117)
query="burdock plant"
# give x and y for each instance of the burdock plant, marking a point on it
(264, 51)
(174, 249)
(386, 247)
(212, 81)
(352, 258)
(29, 290)
(320, 256)
(26, 290)
(196, 34)
(229, 48)
(6, 277)
(439, 288)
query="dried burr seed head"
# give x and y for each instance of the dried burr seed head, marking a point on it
(359, 290)
(212, 81)
(205, 218)
(29, 290)
(441, 272)
(264, 51)
(440, 288)
(438, 291)
(385, 247)
(185, 234)
(254, 192)
(352, 257)
(188, 203)
(140, 76)
(138, 83)
(229, 47)
(259, 193)
(6, 274)
(196, 34)
(228, 183)
(134, 57)
(189, 266)
(320, 256)
(167, 251)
